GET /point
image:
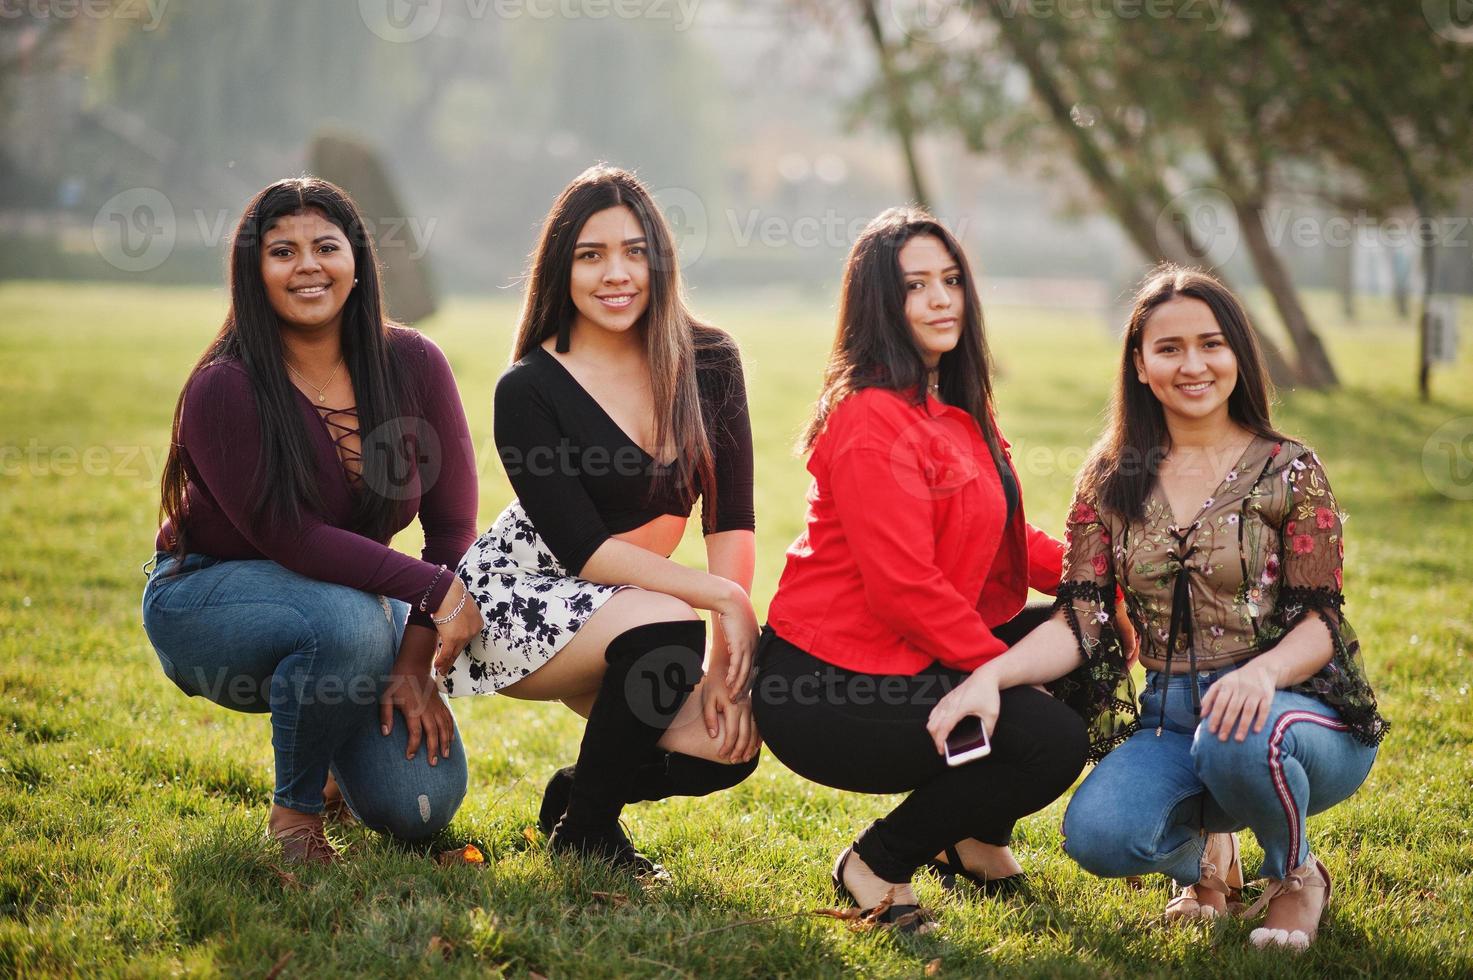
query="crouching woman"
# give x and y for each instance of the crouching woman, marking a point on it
(1227, 541)
(307, 435)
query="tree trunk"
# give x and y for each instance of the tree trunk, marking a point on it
(1401, 293)
(1315, 369)
(1429, 287)
(1345, 267)
(1365, 101)
(898, 101)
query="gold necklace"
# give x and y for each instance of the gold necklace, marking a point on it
(320, 396)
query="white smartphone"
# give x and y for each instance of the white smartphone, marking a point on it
(967, 741)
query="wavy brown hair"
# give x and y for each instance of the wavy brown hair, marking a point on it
(671, 333)
(285, 479)
(874, 347)
(1124, 463)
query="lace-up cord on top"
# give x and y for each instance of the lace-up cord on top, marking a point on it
(339, 432)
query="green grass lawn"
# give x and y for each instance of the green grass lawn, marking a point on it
(131, 817)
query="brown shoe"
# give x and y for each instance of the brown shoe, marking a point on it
(304, 845)
(301, 837)
(1222, 872)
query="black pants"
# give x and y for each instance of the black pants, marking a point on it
(866, 733)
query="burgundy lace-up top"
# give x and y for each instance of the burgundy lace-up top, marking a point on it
(220, 434)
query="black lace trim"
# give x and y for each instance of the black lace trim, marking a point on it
(1342, 682)
(1318, 598)
(1093, 690)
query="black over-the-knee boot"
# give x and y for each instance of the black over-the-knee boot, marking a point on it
(651, 671)
(667, 774)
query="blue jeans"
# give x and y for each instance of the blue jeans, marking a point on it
(253, 636)
(1147, 806)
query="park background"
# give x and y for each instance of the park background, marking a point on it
(1316, 155)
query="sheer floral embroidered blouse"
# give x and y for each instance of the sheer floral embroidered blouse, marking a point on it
(1263, 551)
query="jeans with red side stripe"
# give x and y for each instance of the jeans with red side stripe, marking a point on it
(1149, 804)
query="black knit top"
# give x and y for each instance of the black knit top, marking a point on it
(581, 479)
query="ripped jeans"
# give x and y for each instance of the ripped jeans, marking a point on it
(253, 636)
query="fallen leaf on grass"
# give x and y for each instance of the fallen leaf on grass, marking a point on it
(469, 854)
(441, 945)
(846, 914)
(279, 965)
(615, 899)
(933, 968)
(285, 878)
(864, 919)
(530, 833)
(861, 920)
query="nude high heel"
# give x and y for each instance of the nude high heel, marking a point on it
(1222, 872)
(1311, 874)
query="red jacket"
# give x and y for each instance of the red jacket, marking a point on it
(905, 560)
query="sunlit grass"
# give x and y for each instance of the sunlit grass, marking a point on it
(131, 816)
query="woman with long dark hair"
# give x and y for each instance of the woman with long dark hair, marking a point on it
(309, 432)
(913, 569)
(1228, 543)
(620, 409)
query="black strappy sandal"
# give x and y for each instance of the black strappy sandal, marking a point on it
(902, 918)
(952, 868)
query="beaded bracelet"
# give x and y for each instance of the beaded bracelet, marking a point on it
(453, 613)
(424, 600)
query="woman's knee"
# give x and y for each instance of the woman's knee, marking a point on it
(1221, 762)
(1055, 734)
(658, 607)
(416, 810)
(1100, 842)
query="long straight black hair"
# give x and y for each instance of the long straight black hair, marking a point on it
(874, 347)
(671, 333)
(286, 476)
(1123, 465)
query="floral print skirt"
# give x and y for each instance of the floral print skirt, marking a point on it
(531, 605)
